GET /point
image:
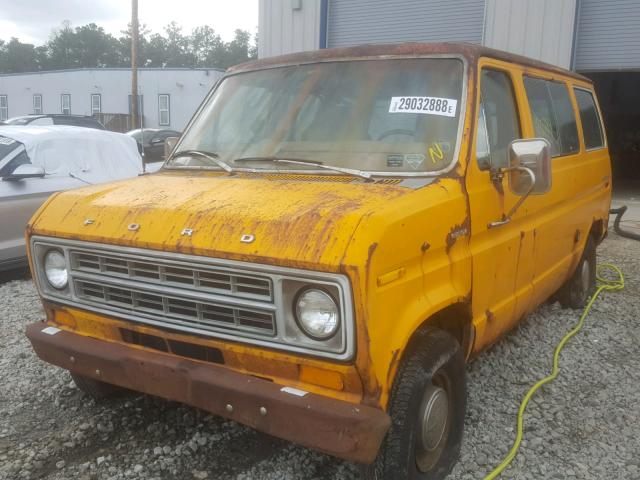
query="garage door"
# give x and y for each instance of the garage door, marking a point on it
(608, 35)
(353, 22)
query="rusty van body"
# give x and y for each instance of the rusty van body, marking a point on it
(334, 235)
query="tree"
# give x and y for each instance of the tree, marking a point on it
(89, 46)
(92, 47)
(178, 51)
(207, 47)
(17, 57)
(239, 49)
(60, 54)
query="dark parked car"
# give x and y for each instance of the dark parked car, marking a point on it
(56, 119)
(153, 141)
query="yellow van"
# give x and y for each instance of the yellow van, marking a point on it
(335, 234)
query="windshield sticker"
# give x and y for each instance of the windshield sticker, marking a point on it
(395, 160)
(435, 152)
(414, 159)
(6, 141)
(427, 105)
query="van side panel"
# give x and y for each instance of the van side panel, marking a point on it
(580, 194)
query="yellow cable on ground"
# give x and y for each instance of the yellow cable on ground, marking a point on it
(605, 284)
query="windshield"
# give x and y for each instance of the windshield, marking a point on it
(137, 134)
(387, 116)
(19, 121)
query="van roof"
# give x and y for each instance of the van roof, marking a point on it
(470, 51)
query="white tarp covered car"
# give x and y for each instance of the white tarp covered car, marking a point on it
(36, 161)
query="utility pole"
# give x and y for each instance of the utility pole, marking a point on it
(134, 65)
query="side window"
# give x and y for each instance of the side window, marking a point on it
(498, 122)
(591, 126)
(553, 116)
(20, 159)
(42, 121)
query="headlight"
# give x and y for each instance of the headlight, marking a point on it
(317, 314)
(55, 268)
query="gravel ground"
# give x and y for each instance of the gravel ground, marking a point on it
(585, 425)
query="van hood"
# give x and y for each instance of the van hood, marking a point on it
(302, 222)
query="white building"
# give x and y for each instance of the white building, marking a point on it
(169, 96)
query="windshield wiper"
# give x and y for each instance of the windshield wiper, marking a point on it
(213, 158)
(298, 161)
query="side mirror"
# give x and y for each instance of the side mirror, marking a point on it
(535, 155)
(25, 171)
(169, 145)
(529, 172)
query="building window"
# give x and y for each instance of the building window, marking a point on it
(164, 117)
(96, 103)
(140, 105)
(65, 101)
(4, 108)
(37, 104)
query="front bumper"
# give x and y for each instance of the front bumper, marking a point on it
(336, 427)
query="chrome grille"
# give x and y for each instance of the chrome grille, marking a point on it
(230, 300)
(212, 280)
(204, 315)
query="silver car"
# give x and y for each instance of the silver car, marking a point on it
(38, 161)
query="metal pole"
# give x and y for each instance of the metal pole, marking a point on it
(135, 114)
(134, 63)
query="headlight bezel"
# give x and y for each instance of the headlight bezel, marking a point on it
(298, 318)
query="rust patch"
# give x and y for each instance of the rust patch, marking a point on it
(490, 316)
(457, 231)
(393, 364)
(471, 52)
(315, 421)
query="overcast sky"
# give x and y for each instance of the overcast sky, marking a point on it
(32, 21)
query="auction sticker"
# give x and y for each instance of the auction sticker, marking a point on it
(426, 105)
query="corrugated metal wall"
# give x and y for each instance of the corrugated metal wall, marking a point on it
(353, 22)
(285, 28)
(608, 35)
(540, 29)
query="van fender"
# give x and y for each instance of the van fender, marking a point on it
(451, 313)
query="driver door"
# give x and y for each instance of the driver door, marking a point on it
(502, 271)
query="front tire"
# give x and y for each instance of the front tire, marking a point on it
(427, 407)
(95, 388)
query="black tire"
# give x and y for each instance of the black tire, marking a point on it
(433, 363)
(95, 388)
(575, 293)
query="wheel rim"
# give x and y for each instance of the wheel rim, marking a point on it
(433, 427)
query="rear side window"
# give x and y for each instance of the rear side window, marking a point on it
(498, 123)
(553, 115)
(10, 157)
(591, 126)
